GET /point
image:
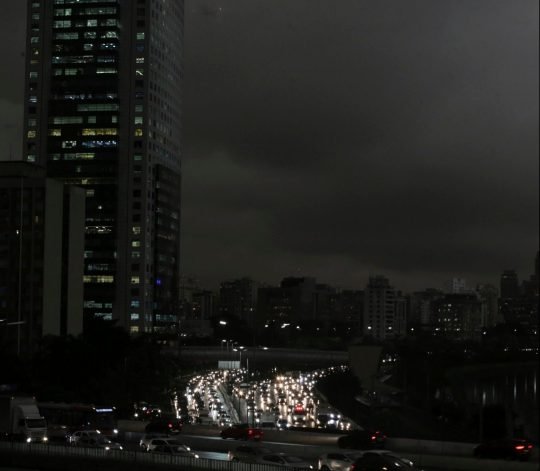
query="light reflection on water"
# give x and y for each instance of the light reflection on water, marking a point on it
(517, 391)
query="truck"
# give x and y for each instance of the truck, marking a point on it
(20, 419)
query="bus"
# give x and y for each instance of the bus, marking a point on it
(63, 419)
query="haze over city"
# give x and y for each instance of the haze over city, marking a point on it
(345, 139)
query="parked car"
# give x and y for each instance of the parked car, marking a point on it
(147, 437)
(248, 453)
(178, 450)
(158, 442)
(283, 459)
(508, 448)
(169, 425)
(362, 439)
(377, 461)
(242, 432)
(336, 461)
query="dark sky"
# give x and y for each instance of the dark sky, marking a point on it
(339, 139)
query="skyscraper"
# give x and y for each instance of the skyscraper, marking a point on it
(103, 111)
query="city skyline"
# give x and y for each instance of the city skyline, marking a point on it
(402, 142)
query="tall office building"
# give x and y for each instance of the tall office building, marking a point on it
(103, 111)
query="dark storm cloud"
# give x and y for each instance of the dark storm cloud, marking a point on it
(389, 136)
(345, 138)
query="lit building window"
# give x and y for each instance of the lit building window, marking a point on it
(30, 158)
(55, 132)
(134, 329)
(138, 132)
(135, 280)
(138, 120)
(98, 279)
(31, 134)
(136, 230)
(134, 316)
(139, 60)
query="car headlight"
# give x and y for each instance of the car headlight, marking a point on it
(29, 439)
(115, 431)
(107, 448)
(45, 439)
(121, 448)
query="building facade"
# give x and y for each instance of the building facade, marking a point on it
(41, 257)
(103, 111)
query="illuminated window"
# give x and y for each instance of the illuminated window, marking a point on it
(137, 157)
(136, 243)
(32, 99)
(139, 60)
(90, 35)
(138, 132)
(134, 329)
(68, 144)
(99, 132)
(138, 120)
(98, 279)
(31, 134)
(34, 40)
(139, 72)
(91, 23)
(134, 316)
(106, 70)
(33, 75)
(135, 254)
(68, 120)
(135, 280)
(136, 230)
(31, 158)
(139, 108)
(140, 36)
(62, 24)
(55, 132)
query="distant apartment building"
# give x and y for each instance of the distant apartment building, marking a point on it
(103, 111)
(41, 257)
(238, 298)
(384, 310)
(518, 303)
(458, 317)
(422, 308)
(489, 296)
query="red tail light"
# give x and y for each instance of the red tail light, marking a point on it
(529, 446)
(519, 447)
(373, 437)
(169, 425)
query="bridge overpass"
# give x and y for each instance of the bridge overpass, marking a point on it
(256, 357)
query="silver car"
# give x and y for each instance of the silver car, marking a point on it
(283, 459)
(336, 461)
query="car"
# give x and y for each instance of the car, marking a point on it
(376, 461)
(282, 424)
(147, 437)
(159, 442)
(248, 453)
(170, 425)
(343, 461)
(508, 448)
(286, 460)
(242, 432)
(362, 439)
(336, 461)
(93, 439)
(177, 450)
(82, 435)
